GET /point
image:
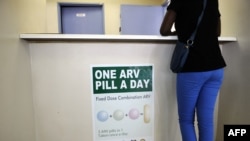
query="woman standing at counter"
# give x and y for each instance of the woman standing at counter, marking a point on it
(202, 75)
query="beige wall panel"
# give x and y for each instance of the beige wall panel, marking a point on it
(234, 98)
(16, 102)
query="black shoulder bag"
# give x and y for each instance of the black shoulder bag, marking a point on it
(181, 49)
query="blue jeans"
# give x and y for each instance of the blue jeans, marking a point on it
(197, 93)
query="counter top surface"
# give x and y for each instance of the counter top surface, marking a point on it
(89, 37)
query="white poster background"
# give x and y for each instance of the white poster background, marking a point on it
(124, 116)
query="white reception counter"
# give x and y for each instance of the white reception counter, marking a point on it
(62, 86)
(81, 37)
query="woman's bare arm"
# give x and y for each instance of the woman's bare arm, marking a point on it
(167, 23)
(219, 28)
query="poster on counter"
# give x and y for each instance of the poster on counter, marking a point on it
(123, 102)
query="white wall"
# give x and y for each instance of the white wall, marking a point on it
(16, 102)
(234, 98)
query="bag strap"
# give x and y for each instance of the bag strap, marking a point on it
(190, 41)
